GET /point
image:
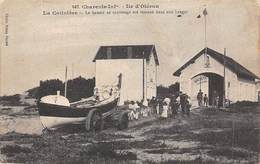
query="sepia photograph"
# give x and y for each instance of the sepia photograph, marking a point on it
(130, 82)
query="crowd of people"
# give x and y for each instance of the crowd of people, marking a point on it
(163, 107)
(169, 106)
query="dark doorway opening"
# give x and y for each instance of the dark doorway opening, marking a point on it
(215, 87)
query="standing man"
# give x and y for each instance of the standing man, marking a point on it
(206, 100)
(214, 99)
(217, 101)
(152, 105)
(199, 97)
(174, 106)
(111, 92)
(182, 102)
(96, 94)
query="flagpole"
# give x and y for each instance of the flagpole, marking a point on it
(224, 81)
(65, 90)
(205, 29)
(205, 13)
(72, 71)
(200, 82)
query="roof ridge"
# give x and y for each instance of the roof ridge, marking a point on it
(121, 52)
(128, 45)
(220, 57)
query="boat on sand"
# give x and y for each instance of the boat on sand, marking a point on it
(56, 110)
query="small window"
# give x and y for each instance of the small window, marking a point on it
(207, 62)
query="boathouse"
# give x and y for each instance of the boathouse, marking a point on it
(215, 73)
(138, 65)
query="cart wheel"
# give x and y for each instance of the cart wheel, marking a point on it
(96, 122)
(123, 122)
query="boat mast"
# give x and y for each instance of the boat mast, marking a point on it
(65, 90)
(72, 71)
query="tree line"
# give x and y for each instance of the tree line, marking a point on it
(77, 88)
(80, 87)
(166, 91)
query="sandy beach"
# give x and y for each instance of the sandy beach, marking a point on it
(207, 136)
(20, 124)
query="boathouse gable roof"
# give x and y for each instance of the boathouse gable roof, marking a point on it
(230, 63)
(126, 52)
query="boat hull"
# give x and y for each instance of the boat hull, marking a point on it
(52, 122)
(52, 115)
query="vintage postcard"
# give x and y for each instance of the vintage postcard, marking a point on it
(134, 81)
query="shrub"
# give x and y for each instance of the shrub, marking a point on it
(244, 104)
(10, 100)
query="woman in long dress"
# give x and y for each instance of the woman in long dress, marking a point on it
(165, 110)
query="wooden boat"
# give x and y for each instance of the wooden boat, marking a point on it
(52, 115)
(55, 110)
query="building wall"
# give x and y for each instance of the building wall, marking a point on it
(258, 91)
(132, 76)
(235, 88)
(151, 77)
(246, 90)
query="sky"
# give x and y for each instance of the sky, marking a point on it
(40, 46)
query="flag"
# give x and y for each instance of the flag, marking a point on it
(205, 12)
